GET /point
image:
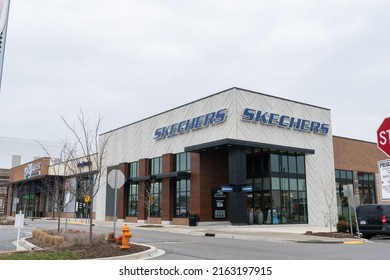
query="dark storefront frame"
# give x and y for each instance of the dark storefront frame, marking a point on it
(279, 187)
(283, 182)
(179, 184)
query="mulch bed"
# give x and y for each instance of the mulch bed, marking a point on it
(102, 249)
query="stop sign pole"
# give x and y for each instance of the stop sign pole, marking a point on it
(383, 135)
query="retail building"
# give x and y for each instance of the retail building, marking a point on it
(236, 156)
(41, 188)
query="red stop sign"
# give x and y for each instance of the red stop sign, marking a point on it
(383, 134)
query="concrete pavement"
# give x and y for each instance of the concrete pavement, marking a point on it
(270, 233)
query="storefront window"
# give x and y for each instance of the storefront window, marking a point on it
(155, 199)
(155, 166)
(275, 163)
(29, 200)
(366, 185)
(284, 164)
(290, 203)
(284, 174)
(183, 191)
(293, 184)
(134, 169)
(301, 164)
(132, 202)
(275, 183)
(183, 162)
(84, 185)
(292, 164)
(343, 177)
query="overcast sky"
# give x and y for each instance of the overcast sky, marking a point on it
(127, 60)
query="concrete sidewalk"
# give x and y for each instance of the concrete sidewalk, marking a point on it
(272, 233)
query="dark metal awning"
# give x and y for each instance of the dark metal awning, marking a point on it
(227, 142)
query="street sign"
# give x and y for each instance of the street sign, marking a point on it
(87, 199)
(383, 135)
(116, 179)
(384, 173)
(19, 220)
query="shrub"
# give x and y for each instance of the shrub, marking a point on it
(57, 240)
(342, 226)
(111, 237)
(35, 234)
(40, 236)
(342, 218)
(7, 222)
(46, 238)
(77, 237)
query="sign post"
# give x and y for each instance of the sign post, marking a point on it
(19, 223)
(116, 179)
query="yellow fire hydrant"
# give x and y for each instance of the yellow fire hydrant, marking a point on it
(126, 235)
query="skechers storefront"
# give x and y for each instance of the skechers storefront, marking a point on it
(236, 156)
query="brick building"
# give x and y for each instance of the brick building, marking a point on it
(356, 163)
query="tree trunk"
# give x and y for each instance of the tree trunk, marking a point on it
(59, 221)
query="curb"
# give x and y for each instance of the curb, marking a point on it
(153, 252)
(357, 242)
(321, 241)
(27, 245)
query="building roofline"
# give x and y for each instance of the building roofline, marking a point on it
(209, 96)
(26, 163)
(353, 139)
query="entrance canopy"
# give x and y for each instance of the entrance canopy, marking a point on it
(224, 143)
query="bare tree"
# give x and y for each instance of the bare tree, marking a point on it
(148, 201)
(330, 216)
(90, 149)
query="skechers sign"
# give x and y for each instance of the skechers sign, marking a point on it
(185, 126)
(284, 121)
